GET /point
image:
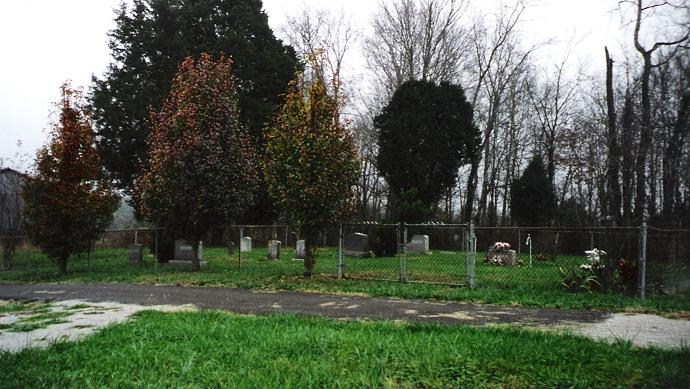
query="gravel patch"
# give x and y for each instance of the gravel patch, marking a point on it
(641, 330)
(81, 318)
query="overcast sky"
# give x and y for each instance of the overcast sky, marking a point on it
(45, 42)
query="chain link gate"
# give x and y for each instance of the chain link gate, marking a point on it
(426, 253)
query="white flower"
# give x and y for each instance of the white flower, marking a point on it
(594, 255)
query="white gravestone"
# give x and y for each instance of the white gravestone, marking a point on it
(418, 245)
(273, 252)
(135, 252)
(245, 244)
(300, 251)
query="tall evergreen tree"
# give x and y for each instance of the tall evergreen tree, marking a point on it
(150, 40)
(426, 132)
(532, 199)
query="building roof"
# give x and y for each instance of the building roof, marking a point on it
(7, 170)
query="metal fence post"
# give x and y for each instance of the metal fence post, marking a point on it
(642, 264)
(469, 258)
(403, 257)
(239, 250)
(340, 252)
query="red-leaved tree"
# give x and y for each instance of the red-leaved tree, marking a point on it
(311, 164)
(202, 167)
(68, 199)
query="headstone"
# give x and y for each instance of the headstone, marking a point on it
(183, 251)
(135, 252)
(356, 245)
(245, 244)
(418, 245)
(231, 247)
(300, 251)
(502, 258)
(273, 252)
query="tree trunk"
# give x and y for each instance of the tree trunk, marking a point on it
(672, 158)
(62, 265)
(628, 160)
(645, 141)
(8, 249)
(613, 204)
(310, 238)
(471, 189)
(196, 266)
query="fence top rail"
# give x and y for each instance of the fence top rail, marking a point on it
(259, 225)
(450, 225)
(678, 230)
(134, 229)
(560, 229)
(360, 224)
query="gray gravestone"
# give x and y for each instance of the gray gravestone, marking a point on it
(184, 254)
(273, 251)
(418, 245)
(356, 245)
(135, 252)
(245, 244)
(231, 247)
(502, 258)
(300, 251)
(183, 251)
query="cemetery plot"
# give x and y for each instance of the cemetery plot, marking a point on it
(435, 253)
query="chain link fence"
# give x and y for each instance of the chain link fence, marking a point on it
(640, 260)
(433, 253)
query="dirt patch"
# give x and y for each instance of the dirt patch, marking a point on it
(40, 324)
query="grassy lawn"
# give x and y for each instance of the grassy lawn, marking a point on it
(214, 349)
(537, 286)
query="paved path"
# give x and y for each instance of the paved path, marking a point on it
(332, 306)
(641, 330)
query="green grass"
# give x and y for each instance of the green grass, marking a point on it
(213, 349)
(35, 322)
(537, 286)
(34, 315)
(24, 306)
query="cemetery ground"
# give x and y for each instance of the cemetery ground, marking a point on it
(536, 286)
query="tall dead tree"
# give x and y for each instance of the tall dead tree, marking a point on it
(613, 188)
(643, 10)
(678, 137)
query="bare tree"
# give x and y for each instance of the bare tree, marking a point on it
(554, 101)
(644, 10)
(417, 40)
(613, 204)
(328, 36)
(497, 61)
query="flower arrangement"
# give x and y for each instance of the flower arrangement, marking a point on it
(500, 246)
(498, 254)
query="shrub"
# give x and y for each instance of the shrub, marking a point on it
(383, 242)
